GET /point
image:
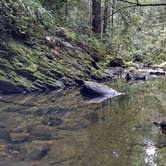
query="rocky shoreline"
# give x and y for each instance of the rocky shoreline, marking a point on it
(56, 62)
(134, 73)
(59, 62)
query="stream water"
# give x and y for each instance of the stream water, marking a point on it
(61, 129)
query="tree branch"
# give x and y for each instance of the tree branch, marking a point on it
(118, 10)
(137, 3)
(127, 2)
(134, 4)
(124, 8)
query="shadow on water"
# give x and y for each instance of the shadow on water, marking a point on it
(63, 129)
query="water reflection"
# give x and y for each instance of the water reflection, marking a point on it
(97, 99)
(150, 153)
(116, 132)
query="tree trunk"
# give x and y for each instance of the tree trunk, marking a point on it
(112, 19)
(96, 16)
(66, 12)
(105, 17)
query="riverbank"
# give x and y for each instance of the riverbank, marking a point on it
(54, 63)
(38, 56)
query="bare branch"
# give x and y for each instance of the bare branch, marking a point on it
(137, 3)
(118, 10)
(127, 2)
(134, 4)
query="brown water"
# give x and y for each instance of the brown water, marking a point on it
(60, 129)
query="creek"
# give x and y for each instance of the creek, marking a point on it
(60, 128)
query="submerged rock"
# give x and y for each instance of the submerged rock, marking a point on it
(40, 132)
(37, 154)
(19, 137)
(16, 149)
(95, 90)
(52, 121)
(5, 135)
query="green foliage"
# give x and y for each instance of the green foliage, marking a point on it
(25, 18)
(139, 35)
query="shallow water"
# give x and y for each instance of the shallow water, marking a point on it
(62, 129)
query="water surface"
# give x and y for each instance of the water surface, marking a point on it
(62, 129)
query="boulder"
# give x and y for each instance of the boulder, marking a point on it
(117, 62)
(94, 90)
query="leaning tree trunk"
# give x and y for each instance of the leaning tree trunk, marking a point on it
(96, 16)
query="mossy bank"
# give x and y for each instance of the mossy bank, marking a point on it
(36, 55)
(54, 63)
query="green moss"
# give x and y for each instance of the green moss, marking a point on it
(97, 74)
(22, 57)
(26, 19)
(29, 64)
(37, 68)
(64, 33)
(159, 58)
(13, 83)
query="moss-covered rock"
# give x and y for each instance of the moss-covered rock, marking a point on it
(32, 59)
(52, 64)
(25, 19)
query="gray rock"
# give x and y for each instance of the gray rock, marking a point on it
(94, 90)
